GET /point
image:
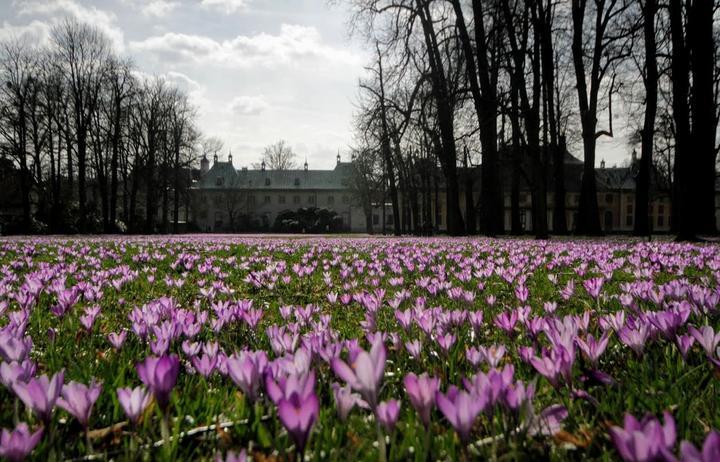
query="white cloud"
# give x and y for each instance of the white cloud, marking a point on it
(248, 105)
(293, 45)
(158, 8)
(226, 6)
(36, 32)
(103, 20)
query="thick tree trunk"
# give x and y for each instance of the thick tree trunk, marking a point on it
(642, 193)
(700, 39)
(492, 208)
(448, 157)
(683, 213)
(588, 221)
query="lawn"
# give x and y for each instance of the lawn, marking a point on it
(197, 348)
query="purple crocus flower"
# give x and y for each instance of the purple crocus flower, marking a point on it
(345, 400)
(421, 390)
(302, 384)
(710, 450)
(634, 338)
(16, 372)
(117, 339)
(387, 413)
(706, 337)
(159, 374)
(593, 286)
(205, 365)
(446, 341)
(554, 366)
(298, 410)
(684, 343)
(460, 408)
(592, 348)
(246, 370)
(40, 394)
(646, 440)
(365, 372)
(17, 444)
(492, 354)
(78, 399)
(134, 402)
(13, 348)
(413, 347)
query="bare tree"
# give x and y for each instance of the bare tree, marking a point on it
(608, 45)
(82, 52)
(278, 156)
(19, 68)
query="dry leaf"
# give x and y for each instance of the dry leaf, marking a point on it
(104, 432)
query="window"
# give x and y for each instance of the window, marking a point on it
(376, 219)
(297, 181)
(661, 220)
(218, 219)
(251, 200)
(609, 198)
(628, 220)
(345, 199)
(281, 199)
(296, 199)
(389, 219)
(661, 209)
(267, 199)
(267, 181)
(331, 200)
(219, 181)
(608, 220)
(311, 199)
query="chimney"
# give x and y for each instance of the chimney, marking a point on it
(634, 156)
(306, 165)
(338, 158)
(230, 156)
(602, 163)
(262, 166)
(215, 159)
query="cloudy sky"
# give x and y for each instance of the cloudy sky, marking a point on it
(257, 70)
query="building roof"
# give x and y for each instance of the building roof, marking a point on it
(223, 175)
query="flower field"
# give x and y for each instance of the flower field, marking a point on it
(205, 348)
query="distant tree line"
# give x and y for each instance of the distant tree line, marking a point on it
(511, 83)
(95, 145)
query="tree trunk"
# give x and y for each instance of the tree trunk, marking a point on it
(642, 194)
(588, 221)
(700, 39)
(492, 207)
(448, 158)
(387, 152)
(683, 213)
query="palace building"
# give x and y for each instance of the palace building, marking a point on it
(226, 199)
